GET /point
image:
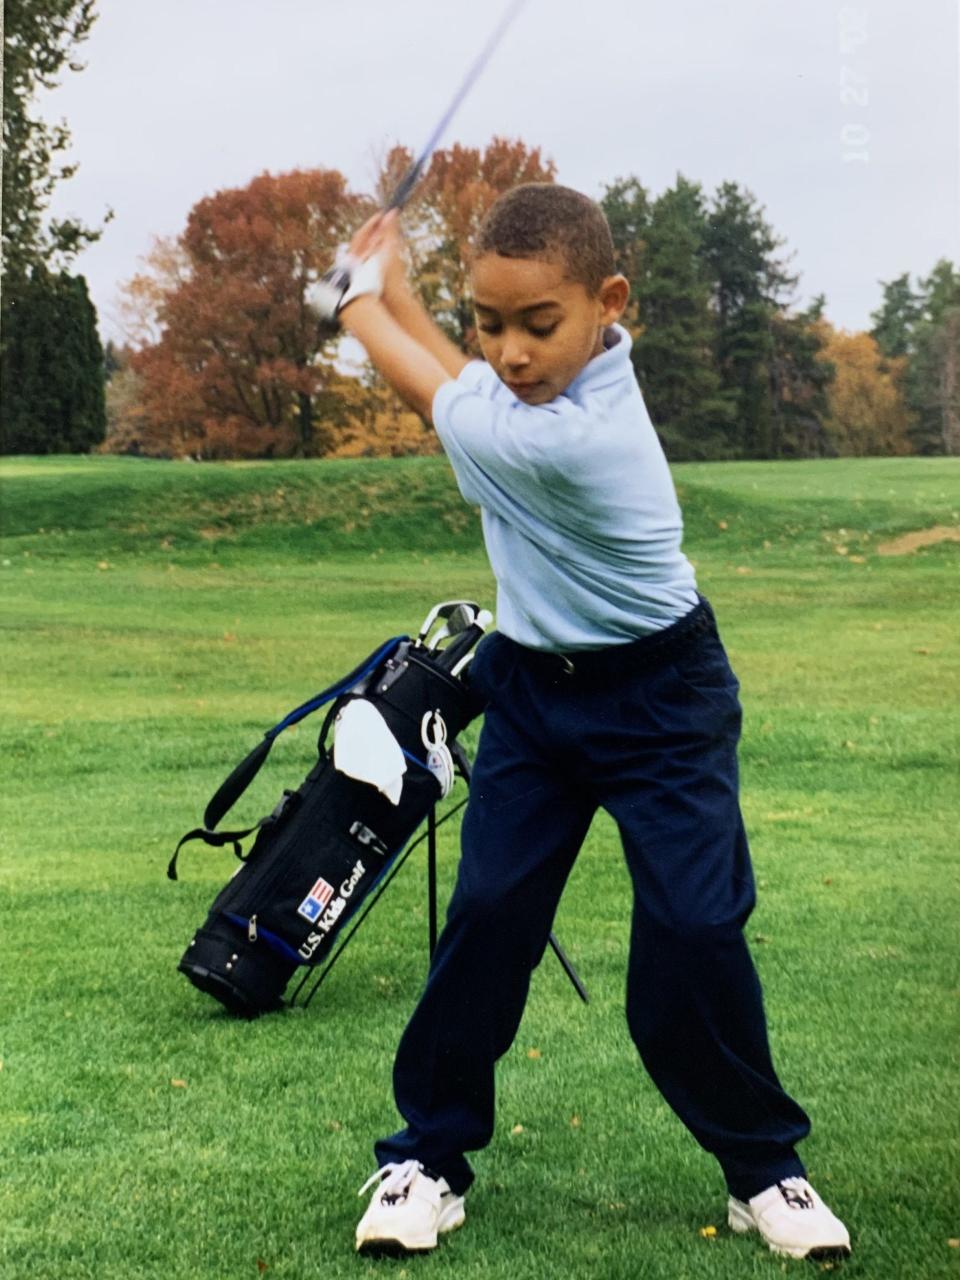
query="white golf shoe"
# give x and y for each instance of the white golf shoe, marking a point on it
(408, 1210)
(793, 1220)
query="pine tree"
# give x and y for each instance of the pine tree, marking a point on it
(799, 382)
(52, 393)
(933, 376)
(673, 354)
(895, 320)
(626, 204)
(750, 288)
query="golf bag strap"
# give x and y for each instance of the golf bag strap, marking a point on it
(233, 787)
(217, 839)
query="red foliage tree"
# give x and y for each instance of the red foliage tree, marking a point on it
(229, 360)
(239, 365)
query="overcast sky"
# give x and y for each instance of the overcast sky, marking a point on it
(842, 119)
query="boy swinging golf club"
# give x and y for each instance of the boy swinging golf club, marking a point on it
(607, 686)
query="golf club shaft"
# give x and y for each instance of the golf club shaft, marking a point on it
(410, 179)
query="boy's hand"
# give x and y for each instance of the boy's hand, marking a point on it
(370, 265)
(410, 351)
(348, 280)
(357, 271)
(380, 236)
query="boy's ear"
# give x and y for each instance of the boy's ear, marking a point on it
(614, 294)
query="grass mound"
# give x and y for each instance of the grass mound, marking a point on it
(137, 507)
(67, 507)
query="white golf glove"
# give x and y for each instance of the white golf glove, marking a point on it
(347, 280)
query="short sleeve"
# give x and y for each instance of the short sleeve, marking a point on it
(501, 450)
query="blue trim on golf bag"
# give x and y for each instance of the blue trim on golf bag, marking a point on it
(233, 787)
(283, 948)
(269, 938)
(343, 685)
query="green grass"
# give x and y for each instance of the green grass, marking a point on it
(156, 617)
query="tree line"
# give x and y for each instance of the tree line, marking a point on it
(223, 358)
(226, 361)
(731, 370)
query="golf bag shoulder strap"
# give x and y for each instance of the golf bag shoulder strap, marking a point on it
(216, 839)
(233, 787)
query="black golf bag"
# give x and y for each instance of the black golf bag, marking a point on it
(328, 843)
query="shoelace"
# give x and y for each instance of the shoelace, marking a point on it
(396, 1180)
(797, 1192)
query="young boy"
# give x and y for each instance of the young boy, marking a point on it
(607, 686)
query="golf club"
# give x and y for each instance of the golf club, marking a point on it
(443, 610)
(461, 618)
(408, 182)
(464, 642)
(326, 294)
(462, 664)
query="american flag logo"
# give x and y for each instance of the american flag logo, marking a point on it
(316, 900)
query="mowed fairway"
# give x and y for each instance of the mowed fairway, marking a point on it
(158, 617)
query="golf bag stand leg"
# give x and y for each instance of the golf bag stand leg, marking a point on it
(314, 980)
(463, 765)
(432, 879)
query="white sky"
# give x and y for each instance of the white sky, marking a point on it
(182, 98)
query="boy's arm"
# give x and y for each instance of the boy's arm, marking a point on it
(381, 235)
(408, 311)
(401, 339)
(409, 365)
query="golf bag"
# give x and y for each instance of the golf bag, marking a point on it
(327, 844)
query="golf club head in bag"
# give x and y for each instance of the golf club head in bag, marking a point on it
(329, 842)
(453, 615)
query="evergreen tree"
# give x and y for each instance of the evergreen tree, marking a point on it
(626, 204)
(895, 320)
(933, 375)
(673, 353)
(52, 393)
(799, 381)
(750, 288)
(113, 360)
(52, 368)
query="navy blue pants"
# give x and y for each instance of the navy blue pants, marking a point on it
(649, 732)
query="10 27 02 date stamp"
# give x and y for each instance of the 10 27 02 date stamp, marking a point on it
(852, 36)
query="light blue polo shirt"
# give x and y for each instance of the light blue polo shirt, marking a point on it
(580, 517)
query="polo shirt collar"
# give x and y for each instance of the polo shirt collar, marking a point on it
(610, 366)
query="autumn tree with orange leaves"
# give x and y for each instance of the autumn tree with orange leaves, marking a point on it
(231, 360)
(867, 412)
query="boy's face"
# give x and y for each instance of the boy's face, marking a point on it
(537, 327)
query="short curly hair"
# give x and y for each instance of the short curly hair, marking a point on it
(543, 220)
